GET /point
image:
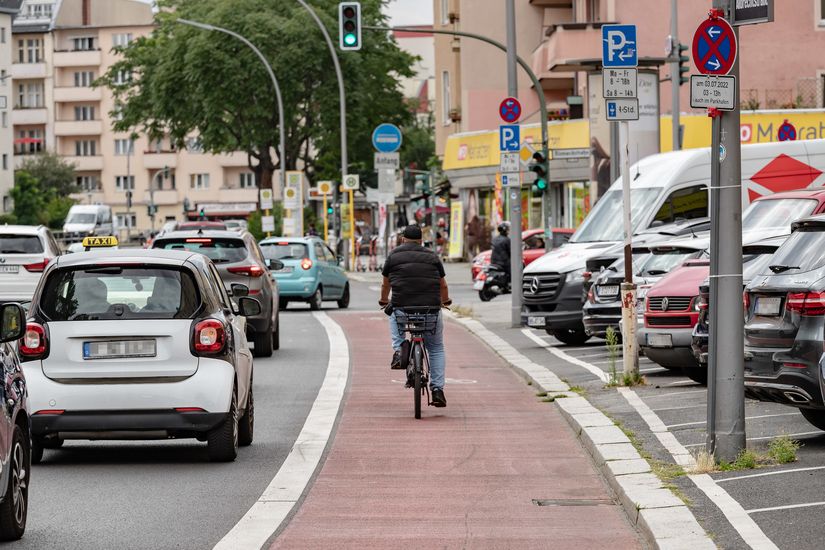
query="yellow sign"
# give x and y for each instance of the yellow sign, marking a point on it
(456, 230)
(324, 187)
(99, 242)
(346, 229)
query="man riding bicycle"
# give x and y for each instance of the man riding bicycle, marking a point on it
(415, 276)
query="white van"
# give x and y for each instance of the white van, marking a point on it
(89, 219)
(664, 188)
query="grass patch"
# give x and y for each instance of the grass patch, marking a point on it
(747, 460)
(578, 389)
(548, 399)
(635, 379)
(541, 394)
(462, 311)
(705, 463)
(666, 471)
(560, 396)
(678, 493)
(783, 449)
(613, 354)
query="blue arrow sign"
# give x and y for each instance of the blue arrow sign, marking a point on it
(509, 139)
(386, 138)
(619, 46)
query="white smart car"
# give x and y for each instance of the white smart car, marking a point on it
(138, 344)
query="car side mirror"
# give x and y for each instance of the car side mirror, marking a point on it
(249, 307)
(239, 290)
(12, 322)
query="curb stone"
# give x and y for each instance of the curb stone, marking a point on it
(664, 521)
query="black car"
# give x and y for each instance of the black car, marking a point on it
(785, 324)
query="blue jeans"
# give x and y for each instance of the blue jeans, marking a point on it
(433, 343)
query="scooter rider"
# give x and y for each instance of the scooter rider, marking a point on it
(501, 249)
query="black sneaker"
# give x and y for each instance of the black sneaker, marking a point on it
(438, 399)
(395, 364)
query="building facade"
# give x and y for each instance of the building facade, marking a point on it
(8, 9)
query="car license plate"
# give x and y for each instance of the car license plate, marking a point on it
(609, 290)
(768, 306)
(660, 340)
(115, 349)
(9, 268)
(286, 269)
(478, 285)
(535, 321)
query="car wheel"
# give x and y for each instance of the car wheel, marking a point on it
(15, 506)
(263, 343)
(246, 429)
(316, 300)
(570, 337)
(283, 303)
(343, 303)
(815, 416)
(222, 442)
(699, 375)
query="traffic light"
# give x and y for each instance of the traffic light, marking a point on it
(202, 213)
(539, 168)
(330, 210)
(187, 206)
(166, 172)
(151, 210)
(683, 64)
(349, 25)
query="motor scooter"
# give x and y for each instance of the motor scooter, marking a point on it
(491, 282)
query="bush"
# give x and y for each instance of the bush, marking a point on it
(783, 449)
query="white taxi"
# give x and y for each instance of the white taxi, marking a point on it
(138, 344)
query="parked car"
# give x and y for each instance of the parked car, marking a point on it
(88, 219)
(238, 260)
(137, 344)
(310, 272)
(200, 224)
(533, 248)
(25, 251)
(785, 324)
(236, 225)
(15, 444)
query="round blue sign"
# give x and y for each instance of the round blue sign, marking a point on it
(386, 138)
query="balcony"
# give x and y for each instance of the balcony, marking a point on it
(25, 71)
(89, 197)
(78, 127)
(553, 3)
(29, 117)
(90, 58)
(85, 164)
(233, 160)
(227, 195)
(73, 94)
(159, 161)
(565, 45)
(168, 197)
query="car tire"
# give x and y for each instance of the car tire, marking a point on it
(263, 343)
(37, 451)
(283, 303)
(699, 375)
(316, 300)
(569, 337)
(15, 506)
(276, 334)
(246, 428)
(816, 417)
(222, 442)
(343, 303)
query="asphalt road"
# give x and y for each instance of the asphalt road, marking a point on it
(165, 494)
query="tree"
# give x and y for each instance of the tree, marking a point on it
(29, 201)
(41, 190)
(187, 80)
(55, 175)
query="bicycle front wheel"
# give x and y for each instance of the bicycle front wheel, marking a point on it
(418, 369)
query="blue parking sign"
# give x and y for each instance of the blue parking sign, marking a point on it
(619, 46)
(509, 138)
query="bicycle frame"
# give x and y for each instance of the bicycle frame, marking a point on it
(418, 322)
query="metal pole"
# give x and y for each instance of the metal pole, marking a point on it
(730, 386)
(342, 98)
(630, 356)
(615, 155)
(152, 198)
(129, 185)
(675, 77)
(278, 97)
(326, 220)
(515, 193)
(713, 312)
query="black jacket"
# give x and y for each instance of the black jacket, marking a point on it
(415, 276)
(501, 252)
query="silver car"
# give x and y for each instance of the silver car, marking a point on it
(25, 251)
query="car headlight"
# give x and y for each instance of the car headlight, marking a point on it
(576, 276)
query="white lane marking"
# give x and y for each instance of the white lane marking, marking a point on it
(737, 516)
(667, 439)
(676, 393)
(746, 418)
(291, 480)
(763, 438)
(599, 373)
(703, 406)
(682, 383)
(588, 355)
(776, 473)
(786, 507)
(656, 369)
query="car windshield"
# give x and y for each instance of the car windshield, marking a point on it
(285, 251)
(81, 217)
(220, 251)
(119, 292)
(20, 244)
(663, 263)
(604, 223)
(776, 214)
(803, 251)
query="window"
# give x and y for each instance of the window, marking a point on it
(3, 35)
(123, 77)
(445, 97)
(285, 251)
(5, 161)
(5, 119)
(38, 11)
(85, 148)
(820, 6)
(121, 39)
(30, 95)
(125, 183)
(124, 147)
(199, 181)
(689, 203)
(29, 50)
(84, 112)
(21, 244)
(3, 77)
(87, 183)
(247, 180)
(220, 251)
(83, 79)
(123, 221)
(29, 142)
(445, 12)
(83, 43)
(194, 145)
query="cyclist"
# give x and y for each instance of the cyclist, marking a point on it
(415, 276)
(500, 255)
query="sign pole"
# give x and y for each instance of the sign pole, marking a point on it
(326, 219)
(630, 357)
(352, 227)
(714, 286)
(514, 192)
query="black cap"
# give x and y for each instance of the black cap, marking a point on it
(412, 232)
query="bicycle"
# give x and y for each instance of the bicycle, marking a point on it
(417, 321)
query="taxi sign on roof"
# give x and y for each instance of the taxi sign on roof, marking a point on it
(99, 242)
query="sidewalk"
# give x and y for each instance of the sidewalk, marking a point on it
(466, 476)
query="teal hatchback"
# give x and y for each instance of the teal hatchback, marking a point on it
(310, 273)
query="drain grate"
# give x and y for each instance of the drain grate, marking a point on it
(573, 502)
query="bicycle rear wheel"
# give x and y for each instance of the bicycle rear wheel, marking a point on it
(418, 366)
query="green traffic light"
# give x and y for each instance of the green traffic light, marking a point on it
(541, 184)
(350, 39)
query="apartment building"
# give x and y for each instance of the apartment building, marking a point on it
(8, 9)
(61, 48)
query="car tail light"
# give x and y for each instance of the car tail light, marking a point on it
(795, 365)
(189, 409)
(249, 270)
(806, 303)
(34, 343)
(50, 412)
(591, 297)
(306, 263)
(199, 240)
(746, 302)
(587, 275)
(37, 267)
(209, 336)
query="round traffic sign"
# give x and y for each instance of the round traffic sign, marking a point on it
(386, 138)
(787, 131)
(510, 110)
(714, 47)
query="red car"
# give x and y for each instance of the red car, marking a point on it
(533, 240)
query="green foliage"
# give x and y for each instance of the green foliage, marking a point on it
(254, 222)
(418, 148)
(56, 176)
(7, 219)
(57, 209)
(29, 200)
(783, 449)
(41, 190)
(613, 353)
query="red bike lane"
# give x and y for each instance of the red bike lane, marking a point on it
(466, 476)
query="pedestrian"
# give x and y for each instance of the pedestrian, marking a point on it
(473, 230)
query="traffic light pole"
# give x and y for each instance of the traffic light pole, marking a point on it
(675, 75)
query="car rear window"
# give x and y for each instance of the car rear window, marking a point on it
(119, 292)
(776, 214)
(803, 251)
(220, 251)
(663, 263)
(285, 251)
(20, 244)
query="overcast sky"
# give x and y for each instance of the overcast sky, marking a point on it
(410, 12)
